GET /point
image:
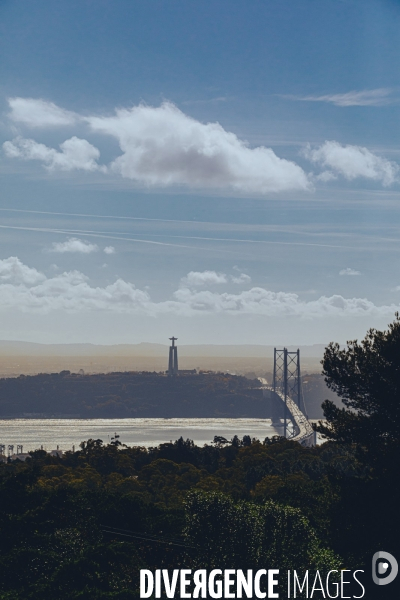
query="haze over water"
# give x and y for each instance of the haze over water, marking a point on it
(65, 433)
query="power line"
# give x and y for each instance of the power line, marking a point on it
(148, 538)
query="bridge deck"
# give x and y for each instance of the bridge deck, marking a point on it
(304, 433)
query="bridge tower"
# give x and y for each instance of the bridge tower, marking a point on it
(173, 358)
(287, 379)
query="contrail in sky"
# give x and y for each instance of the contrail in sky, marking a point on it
(265, 228)
(62, 214)
(210, 239)
(93, 234)
(112, 236)
(201, 238)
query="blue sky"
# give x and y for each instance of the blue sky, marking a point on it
(226, 171)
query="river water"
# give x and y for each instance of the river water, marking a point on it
(65, 433)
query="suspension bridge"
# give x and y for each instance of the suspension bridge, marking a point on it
(286, 397)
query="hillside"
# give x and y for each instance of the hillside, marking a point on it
(143, 394)
(131, 394)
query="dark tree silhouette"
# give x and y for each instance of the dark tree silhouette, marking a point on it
(366, 376)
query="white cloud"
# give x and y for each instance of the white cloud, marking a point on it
(326, 176)
(109, 250)
(75, 154)
(68, 291)
(74, 245)
(13, 271)
(39, 113)
(26, 289)
(259, 301)
(163, 146)
(354, 161)
(201, 278)
(242, 278)
(349, 271)
(377, 97)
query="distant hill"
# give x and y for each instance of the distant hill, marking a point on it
(131, 394)
(144, 394)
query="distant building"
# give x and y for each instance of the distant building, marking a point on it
(57, 452)
(22, 456)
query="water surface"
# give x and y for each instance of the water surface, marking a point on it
(65, 433)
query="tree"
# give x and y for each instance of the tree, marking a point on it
(366, 376)
(248, 536)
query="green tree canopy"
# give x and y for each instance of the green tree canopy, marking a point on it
(366, 376)
(248, 536)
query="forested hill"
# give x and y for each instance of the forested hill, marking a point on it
(143, 394)
(131, 394)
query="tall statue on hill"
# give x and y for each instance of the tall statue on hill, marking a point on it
(173, 358)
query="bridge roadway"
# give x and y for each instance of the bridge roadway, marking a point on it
(303, 432)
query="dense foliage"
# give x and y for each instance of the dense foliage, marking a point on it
(246, 535)
(83, 525)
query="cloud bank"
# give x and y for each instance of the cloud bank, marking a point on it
(26, 289)
(259, 301)
(163, 146)
(14, 272)
(75, 153)
(354, 161)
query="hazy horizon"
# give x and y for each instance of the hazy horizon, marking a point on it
(18, 358)
(23, 348)
(31, 358)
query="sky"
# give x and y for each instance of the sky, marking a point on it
(227, 172)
